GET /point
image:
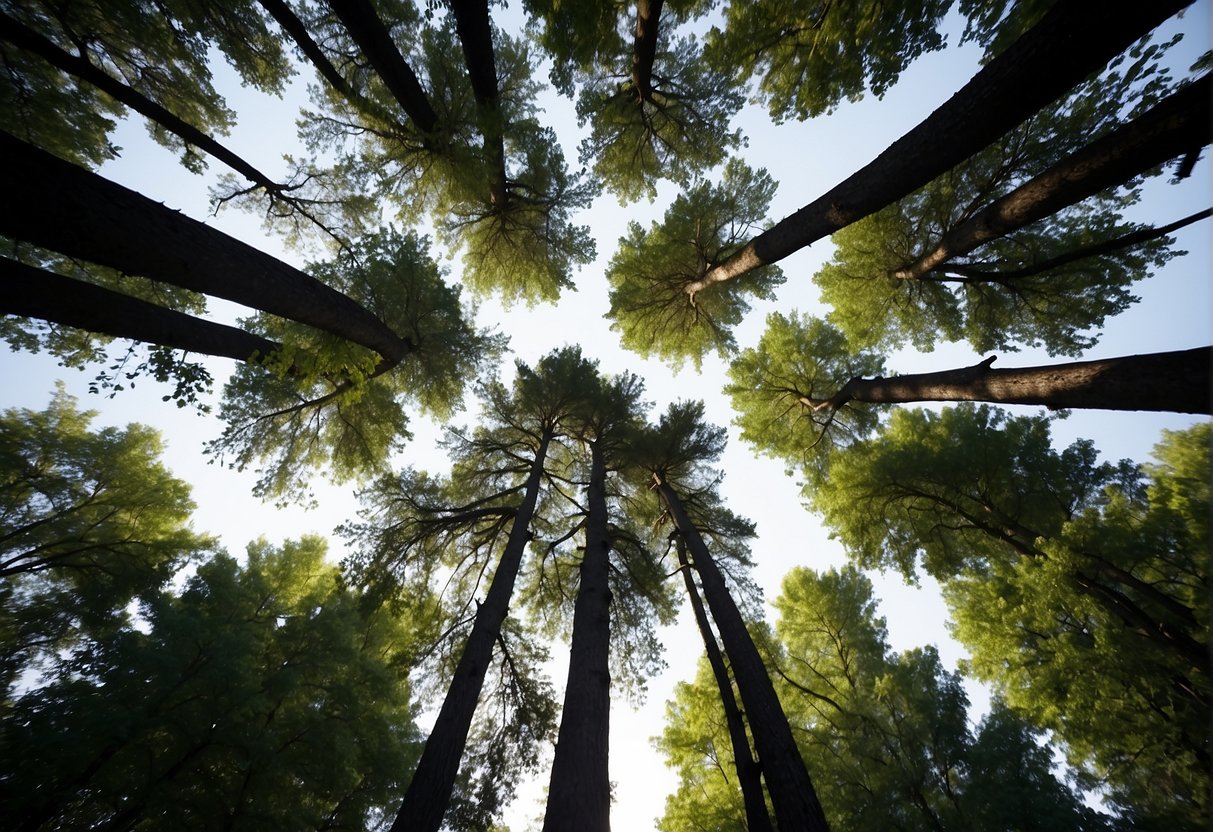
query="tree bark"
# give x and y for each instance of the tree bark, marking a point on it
(1173, 127)
(429, 792)
(749, 774)
(78, 65)
(36, 293)
(973, 274)
(579, 796)
(644, 48)
(373, 38)
(1176, 382)
(792, 794)
(59, 206)
(476, 37)
(1074, 39)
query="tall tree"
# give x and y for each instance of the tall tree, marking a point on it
(1068, 579)
(681, 447)
(263, 695)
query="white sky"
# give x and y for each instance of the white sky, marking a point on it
(806, 159)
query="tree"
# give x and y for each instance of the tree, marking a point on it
(888, 731)
(679, 449)
(1068, 579)
(262, 695)
(1038, 68)
(90, 520)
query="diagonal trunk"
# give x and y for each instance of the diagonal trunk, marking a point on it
(429, 791)
(59, 206)
(579, 796)
(476, 37)
(749, 774)
(1167, 381)
(792, 794)
(1177, 124)
(373, 38)
(36, 293)
(964, 273)
(644, 47)
(1074, 39)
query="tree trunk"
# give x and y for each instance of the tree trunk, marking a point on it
(749, 774)
(79, 66)
(579, 796)
(792, 795)
(476, 37)
(35, 293)
(373, 38)
(1074, 39)
(67, 209)
(644, 48)
(429, 791)
(1177, 382)
(1176, 125)
(975, 274)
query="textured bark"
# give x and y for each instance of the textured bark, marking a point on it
(78, 65)
(59, 206)
(476, 37)
(959, 273)
(792, 794)
(36, 293)
(749, 774)
(1074, 39)
(429, 791)
(644, 48)
(579, 796)
(1177, 382)
(373, 38)
(1173, 127)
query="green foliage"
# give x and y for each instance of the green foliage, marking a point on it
(813, 54)
(1014, 290)
(798, 363)
(650, 307)
(161, 50)
(884, 735)
(263, 696)
(89, 520)
(324, 401)
(1080, 592)
(676, 132)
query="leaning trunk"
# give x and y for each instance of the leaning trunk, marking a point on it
(1176, 382)
(792, 794)
(749, 775)
(1074, 39)
(476, 37)
(644, 48)
(429, 791)
(36, 293)
(1173, 127)
(579, 797)
(67, 209)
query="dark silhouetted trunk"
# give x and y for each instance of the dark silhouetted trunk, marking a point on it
(579, 796)
(59, 206)
(476, 37)
(963, 273)
(429, 791)
(35, 293)
(749, 775)
(1177, 382)
(644, 48)
(1171, 128)
(1074, 39)
(371, 35)
(792, 794)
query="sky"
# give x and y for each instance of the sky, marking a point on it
(806, 159)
